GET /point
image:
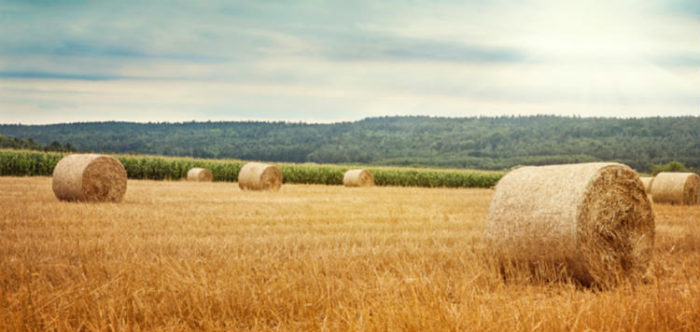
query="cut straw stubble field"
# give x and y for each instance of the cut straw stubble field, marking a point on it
(193, 256)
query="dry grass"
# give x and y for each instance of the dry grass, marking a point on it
(187, 256)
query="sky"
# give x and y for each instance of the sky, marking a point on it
(328, 61)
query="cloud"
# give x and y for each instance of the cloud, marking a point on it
(95, 49)
(686, 7)
(377, 47)
(62, 76)
(691, 61)
(345, 60)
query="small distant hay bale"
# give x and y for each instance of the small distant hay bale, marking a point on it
(647, 181)
(89, 178)
(259, 176)
(592, 219)
(358, 178)
(676, 188)
(199, 175)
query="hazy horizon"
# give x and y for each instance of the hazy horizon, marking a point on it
(332, 62)
(349, 121)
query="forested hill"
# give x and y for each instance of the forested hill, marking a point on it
(484, 142)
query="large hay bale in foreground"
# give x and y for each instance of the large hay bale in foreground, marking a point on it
(593, 219)
(89, 177)
(676, 188)
(259, 176)
(200, 175)
(358, 178)
(647, 181)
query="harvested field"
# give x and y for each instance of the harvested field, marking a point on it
(192, 256)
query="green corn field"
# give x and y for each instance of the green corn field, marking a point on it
(33, 163)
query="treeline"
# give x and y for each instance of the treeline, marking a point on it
(476, 143)
(31, 163)
(30, 144)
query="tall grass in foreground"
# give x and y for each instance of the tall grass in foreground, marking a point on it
(32, 163)
(182, 256)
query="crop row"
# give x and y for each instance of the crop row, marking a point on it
(31, 163)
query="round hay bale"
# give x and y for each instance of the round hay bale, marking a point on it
(676, 188)
(358, 178)
(89, 177)
(200, 175)
(647, 181)
(259, 176)
(592, 219)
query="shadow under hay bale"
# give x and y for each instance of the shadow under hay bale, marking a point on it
(90, 178)
(259, 176)
(358, 178)
(592, 220)
(676, 188)
(199, 175)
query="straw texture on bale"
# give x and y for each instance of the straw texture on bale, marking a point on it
(358, 178)
(200, 174)
(259, 176)
(647, 181)
(90, 178)
(676, 188)
(593, 219)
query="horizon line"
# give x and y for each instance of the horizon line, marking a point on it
(320, 122)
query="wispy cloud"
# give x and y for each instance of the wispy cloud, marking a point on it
(345, 60)
(372, 46)
(62, 76)
(684, 7)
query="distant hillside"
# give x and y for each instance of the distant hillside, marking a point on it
(484, 142)
(30, 144)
